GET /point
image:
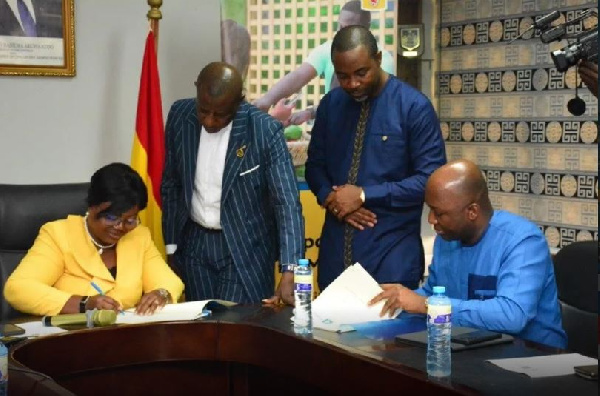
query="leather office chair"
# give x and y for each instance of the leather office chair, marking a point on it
(23, 210)
(576, 271)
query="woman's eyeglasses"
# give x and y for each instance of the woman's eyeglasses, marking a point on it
(116, 221)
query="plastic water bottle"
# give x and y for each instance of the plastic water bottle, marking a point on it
(438, 333)
(302, 298)
(3, 369)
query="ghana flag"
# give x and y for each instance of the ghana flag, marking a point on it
(148, 153)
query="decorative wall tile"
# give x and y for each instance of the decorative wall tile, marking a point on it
(505, 107)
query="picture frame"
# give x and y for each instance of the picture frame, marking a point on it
(37, 38)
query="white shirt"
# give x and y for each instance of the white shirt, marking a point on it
(210, 165)
(208, 181)
(13, 6)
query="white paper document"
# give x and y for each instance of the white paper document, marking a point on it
(345, 301)
(37, 329)
(545, 366)
(190, 310)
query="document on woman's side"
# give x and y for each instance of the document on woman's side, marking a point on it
(190, 310)
(345, 301)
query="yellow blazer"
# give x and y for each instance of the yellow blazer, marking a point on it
(63, 262)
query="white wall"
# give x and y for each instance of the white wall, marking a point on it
(55, 130)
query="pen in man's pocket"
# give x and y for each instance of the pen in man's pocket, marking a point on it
(101, 292)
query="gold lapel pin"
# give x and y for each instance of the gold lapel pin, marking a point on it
(384, 138)
(240, 151)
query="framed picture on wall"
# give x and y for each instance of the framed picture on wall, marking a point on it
(37, 38)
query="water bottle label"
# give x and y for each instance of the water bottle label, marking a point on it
(302, 287)
(439, 314)
(303, 282)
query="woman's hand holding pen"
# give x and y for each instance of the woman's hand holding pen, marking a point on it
(102, 302)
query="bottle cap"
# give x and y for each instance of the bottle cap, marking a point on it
(303, 262)
(439, 289)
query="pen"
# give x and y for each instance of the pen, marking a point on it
(204, 314)
(99, 290)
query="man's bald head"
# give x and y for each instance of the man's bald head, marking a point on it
(218, 96)
(461, 180)
(219, 79)
(457, 196)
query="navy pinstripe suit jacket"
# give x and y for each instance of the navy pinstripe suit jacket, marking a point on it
(261, 214)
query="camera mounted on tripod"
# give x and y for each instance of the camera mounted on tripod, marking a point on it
(584, 45)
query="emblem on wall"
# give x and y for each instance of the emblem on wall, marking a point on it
(410, 40)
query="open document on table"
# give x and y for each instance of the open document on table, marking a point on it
(345, 301)
(190, 310)
(37, 329)
(545, 366)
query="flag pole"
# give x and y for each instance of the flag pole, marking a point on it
(155, 15)
(148, 149)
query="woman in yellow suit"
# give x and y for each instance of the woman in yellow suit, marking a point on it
(105, 260)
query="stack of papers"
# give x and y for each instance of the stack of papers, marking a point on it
(190, 310)
(37, 329)
(345, 301)
(545, 366)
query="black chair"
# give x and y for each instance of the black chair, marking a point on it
(23, 210)
(576, 270)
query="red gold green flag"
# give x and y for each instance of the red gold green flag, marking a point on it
(148, 153)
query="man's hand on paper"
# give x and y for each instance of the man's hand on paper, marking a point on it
(399, 297)
(284, 292)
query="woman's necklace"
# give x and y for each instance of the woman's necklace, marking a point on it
(99, 246)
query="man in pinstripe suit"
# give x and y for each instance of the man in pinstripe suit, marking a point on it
(231, 206)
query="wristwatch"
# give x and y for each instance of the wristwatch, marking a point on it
(164, 293)
(362, 195)
(82, 303)
(286, 268)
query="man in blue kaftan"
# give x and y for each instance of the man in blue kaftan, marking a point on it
(495, 265)
(374, 143)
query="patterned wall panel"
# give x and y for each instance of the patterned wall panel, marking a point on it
(505, 107)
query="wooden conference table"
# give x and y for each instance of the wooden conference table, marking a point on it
(252, 350)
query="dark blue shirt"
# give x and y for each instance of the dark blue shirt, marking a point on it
(403, 145)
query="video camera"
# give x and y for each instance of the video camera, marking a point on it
(584, 46)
